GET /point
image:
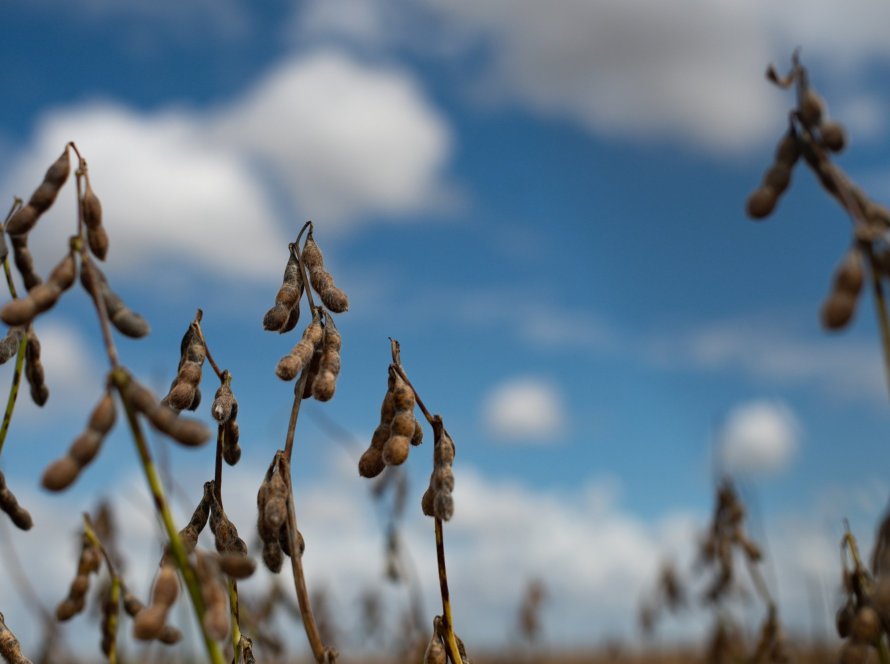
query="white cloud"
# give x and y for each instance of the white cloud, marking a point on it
(73, 373)
(595, 557)
(758, 438)
(863, 116)
(772, 352)
(199, 188)
(168, 193)
(346, 138)
(525, 409)
(687, 72)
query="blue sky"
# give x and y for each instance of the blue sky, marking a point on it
(544, 204)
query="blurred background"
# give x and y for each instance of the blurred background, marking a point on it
(545, 204)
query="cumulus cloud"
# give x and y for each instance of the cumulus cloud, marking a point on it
(758, 438)
(347, 138)
(525, 409)
(168, 192)
(595, 557)
(202, 187)
(72, 376)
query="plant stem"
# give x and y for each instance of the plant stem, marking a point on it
(881, 308)
(321, 653)
(197, 323)
(180, 556)
(23, 344)
(447, 621)
(450, 640)
(115, 591)
(13, 389)
(236, 621)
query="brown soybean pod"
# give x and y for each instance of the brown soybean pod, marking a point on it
(43, 197)
(283, 316)
(9, 346)
(322, 282)
(34, 370)
(9, 504)
(24, 261)
(300, 355)
(127, 321)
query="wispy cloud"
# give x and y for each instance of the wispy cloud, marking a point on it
(771, 352)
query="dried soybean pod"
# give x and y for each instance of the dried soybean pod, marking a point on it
(169, 635)
(10, 649)
(417, 436)
(371, 463)
(166, 587)
(312, 371)
(833, 136)
(92, 207)
(230, 433)
(426, 501)
(275, 511)
(322, 282)
(812, 107)
(8, 503)
(224, 404)
(190, 433)
(283, 316)
(189, 534)
(9, 346)
(788, 149)
(132, 604)
(273, 556)
(97, 237)
(216, 614)
(435, 651)
(762, 202)
(88, 563)
(325, 381)
(300, 355)
(24, 261)
(395, 450)
(110, 615)
(43, 197)
(127, 321)
(34, 370)
(850, 273)
(184, 390)
(224, 531)
(42, 297)
(149, 622)
(236, 566)
(60, 474)
(97, 240)
(246, 651)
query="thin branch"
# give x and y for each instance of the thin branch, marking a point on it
(121, 380)
(323, 654)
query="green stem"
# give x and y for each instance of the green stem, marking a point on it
(14, 389)
(236, 621)
(180, 556)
